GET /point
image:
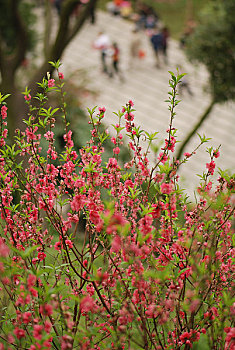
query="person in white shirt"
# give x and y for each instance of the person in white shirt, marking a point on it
(103, 44)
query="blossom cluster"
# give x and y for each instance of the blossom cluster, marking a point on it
(97, 255)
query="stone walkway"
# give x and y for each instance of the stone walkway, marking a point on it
(147, 86)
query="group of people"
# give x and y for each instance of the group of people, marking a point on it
(120, 7)
(158, 35)
(145, 16)
(108, 50)
(159, 41)
(111, 52)
(147, 19)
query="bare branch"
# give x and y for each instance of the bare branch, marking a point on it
(63, 37)
(64, 34)
(82, 18)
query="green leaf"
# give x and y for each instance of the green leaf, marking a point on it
(202, 343)
(3, 97)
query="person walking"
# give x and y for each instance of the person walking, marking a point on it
(157, 42)
(135, 47)
(116, 61)
(103, 44)
(165, 36)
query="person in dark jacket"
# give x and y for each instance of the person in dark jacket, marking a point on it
(157, 42)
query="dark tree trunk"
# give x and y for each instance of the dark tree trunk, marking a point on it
(15, 103)
(9, 65)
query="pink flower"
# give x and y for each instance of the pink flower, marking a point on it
(116, 244)
(211, 167)
(27, 97)
(4, 133)
(230, 338)
(131, 146)
(102, 109)
(4, 250)
(113, 140)
(131, 103)
(4, 112)
(34, 261)
(216, 153)
(128, 127)
(58, 246)
(78, 202)
(166, 188)
(112, 163)
(34, 292)
(184, 336)
(37, 331)
(20, 333)
(187, 155)
(30, 132)
(116, 150)
(95, 217)
(129, 116)
(61, 75)
(41, 256)
(87, 304)
(31, 280)
(145, 224)
(46, 309)
(69, 243)
(26, 316)
(170, 145)
(51, 83)
(162, 157)
(47, 326)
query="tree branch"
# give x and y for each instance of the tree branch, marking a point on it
(63, 37)
(81, 19)
(61, 40)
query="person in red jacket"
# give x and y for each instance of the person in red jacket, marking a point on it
(116, 60)
(165, 36)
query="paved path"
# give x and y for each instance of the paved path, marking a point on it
(147, 86)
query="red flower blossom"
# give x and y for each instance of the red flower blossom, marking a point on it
(166, 188)
(211, 167)
(20, 333)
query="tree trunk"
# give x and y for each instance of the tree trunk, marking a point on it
(17, 108)
(9, 66)
(194, 130)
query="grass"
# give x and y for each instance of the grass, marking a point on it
(173, 13)
(176, 13)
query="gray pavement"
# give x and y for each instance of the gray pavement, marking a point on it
(147, 86)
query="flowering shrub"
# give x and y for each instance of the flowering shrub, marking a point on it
(148, 271)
